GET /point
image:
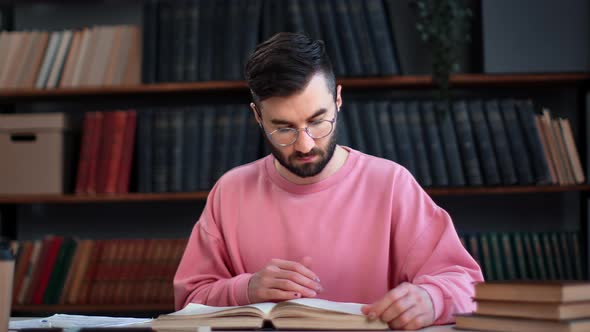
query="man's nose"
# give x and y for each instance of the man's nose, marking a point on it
(304, 142)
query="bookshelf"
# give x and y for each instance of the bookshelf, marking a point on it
(391, 82)
(163, 197)
(472, 85)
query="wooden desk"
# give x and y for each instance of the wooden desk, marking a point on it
(444, 328)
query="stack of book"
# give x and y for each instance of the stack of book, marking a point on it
(529, 306)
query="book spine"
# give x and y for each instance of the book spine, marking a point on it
(115, 153)
(516, 140)
(417, 138)
(372, 132)
(483, 141)
(402, 137)
(127, 158)
(150, 42)
(382, 40)
(385, 129)
(450, 145)
(467, 144)
(500, 141)
(176, 148)
(434, 146)
(352, 58)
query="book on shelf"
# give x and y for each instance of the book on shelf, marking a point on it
(72, 271)
(97, 56)
(533, 291)
(501, 324)
(293, 314)
(526, 255)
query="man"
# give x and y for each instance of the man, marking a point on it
(315, 219)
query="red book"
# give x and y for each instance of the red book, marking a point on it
(104, 154)
(117, 137)
(85, 295)
(94, 154)
(37, 269)
(46, 268)
(127, 158)
(85, 151)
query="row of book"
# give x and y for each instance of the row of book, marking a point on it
(66, 270)
(529, 307)
(106, 152)
(189, 149)
(527, 255)
(205, 40)
(96, 56)
(471, 143)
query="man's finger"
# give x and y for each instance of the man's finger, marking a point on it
(280, 295)
(416, 323)
(299, 279)
(405, 318)
(296, 267)
(288, 285)
(397, 308)
(376, 309)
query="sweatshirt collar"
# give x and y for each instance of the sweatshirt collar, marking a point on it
(294, 188)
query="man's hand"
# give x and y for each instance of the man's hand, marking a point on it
(406, 307)
(284, 280)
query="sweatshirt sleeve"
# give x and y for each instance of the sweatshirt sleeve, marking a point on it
(428, 252)
(204, 275)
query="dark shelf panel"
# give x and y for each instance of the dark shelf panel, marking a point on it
(140, 197)
(164, 89)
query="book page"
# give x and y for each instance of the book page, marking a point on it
(200, 309)
(343, 307)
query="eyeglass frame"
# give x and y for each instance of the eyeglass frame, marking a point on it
(297, 130)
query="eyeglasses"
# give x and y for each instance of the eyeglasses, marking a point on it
(316, 130)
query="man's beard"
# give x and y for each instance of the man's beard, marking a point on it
(307, 169)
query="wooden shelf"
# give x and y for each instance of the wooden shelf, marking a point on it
(103, 198)
(92, 308)
(202, 195)
(423, 81)
(506, 190)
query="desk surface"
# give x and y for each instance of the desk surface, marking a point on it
(444, 328)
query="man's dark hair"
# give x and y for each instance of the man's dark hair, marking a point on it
(284, 64)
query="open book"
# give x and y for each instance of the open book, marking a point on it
(301, 314)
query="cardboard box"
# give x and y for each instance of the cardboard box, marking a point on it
(33, 153)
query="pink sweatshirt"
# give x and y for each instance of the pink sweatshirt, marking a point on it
(368, 227)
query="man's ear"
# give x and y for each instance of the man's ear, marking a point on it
(339, 96)
(256, 114)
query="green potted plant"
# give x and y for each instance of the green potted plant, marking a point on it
(444, 25)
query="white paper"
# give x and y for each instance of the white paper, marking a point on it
(68, 321)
